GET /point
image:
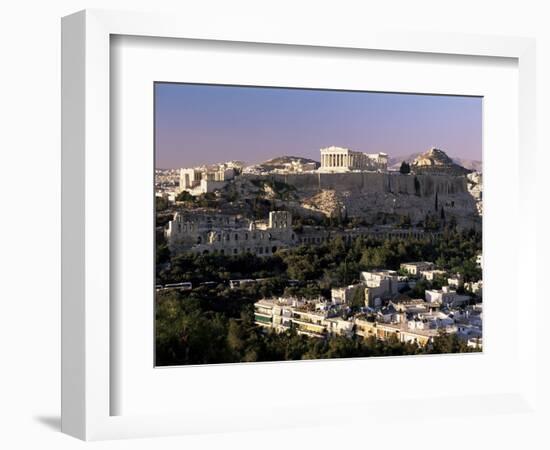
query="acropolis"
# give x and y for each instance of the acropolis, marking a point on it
(340, 159)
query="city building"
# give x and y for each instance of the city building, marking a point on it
(200, 180)
(314, 318)
(479, 260)
(345, 295)
(409, 320)
(431, 275)
(379, 284)
(446, 296)
(339, 326)
(456, 281)
(475, 287)
(401, 331)
(415, 268)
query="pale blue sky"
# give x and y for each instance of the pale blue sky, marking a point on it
(198, 124)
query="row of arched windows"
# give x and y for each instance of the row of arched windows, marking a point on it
(236, 251)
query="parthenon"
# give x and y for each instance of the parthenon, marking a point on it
(340, 159)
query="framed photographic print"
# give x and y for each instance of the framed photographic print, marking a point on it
(319, 251)
(263, 228)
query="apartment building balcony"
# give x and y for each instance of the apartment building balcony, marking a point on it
(262, 319)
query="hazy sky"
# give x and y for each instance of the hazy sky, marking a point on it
(197, 124)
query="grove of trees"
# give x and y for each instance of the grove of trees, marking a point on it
(209, 328)
(215, 324)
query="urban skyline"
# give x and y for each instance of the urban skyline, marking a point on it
(254, 124)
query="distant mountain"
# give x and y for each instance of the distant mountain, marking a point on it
(282, 161)
(394, 162)
(436, 160)
(471, 164)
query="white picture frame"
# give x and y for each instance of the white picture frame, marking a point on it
(87, 385)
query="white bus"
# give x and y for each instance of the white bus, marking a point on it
(184, 286)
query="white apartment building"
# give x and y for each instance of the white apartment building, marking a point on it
(344, 295)
(475, 287)
(309, 317)
(479, 260)
(431, 275)
(379, 284)
(445, 296)
(456, 281)
(415, 268)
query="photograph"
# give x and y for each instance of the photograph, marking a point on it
(300, 224)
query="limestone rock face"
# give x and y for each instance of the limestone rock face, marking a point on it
(328, 202)
(365, 196)
(436, 161)
(475, 188)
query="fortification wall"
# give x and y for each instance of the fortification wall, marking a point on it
(372, 182)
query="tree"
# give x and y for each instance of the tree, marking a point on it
(162, 254)
(161, 203)
(235, 337)
(431, 222)
(419, 290)
(358, 299)
(185, 196)
(405, 168)
(215, 324)
(416, 186)
(404, 221)
(447, 343)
